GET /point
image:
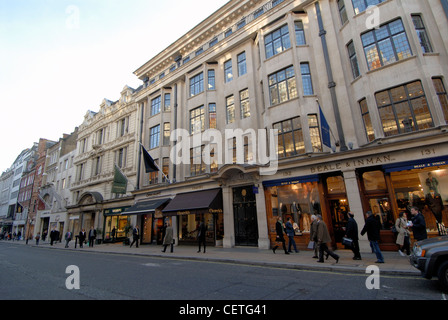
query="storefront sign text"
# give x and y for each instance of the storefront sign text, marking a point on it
(351, 164)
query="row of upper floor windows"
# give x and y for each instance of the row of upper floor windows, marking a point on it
(101, 135)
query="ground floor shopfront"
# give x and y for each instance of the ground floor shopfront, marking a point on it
(105, 216)
(385, 183)
(240, 207)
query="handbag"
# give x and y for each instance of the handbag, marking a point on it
(347, 242)
(311, 245)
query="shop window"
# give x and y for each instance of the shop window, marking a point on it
(374, 180)
(425, 189)
(189, 224)
(335, 185)
(297, 201)
(118, 223)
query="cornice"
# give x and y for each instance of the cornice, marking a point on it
(218, 22)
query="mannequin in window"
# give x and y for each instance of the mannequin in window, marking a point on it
(435, 204)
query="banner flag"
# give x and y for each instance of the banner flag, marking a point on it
(325, 129)
(120, 184)
(150, 165)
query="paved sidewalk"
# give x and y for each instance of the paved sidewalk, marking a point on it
(395, 264)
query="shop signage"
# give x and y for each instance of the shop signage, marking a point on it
(114, 211)
(359, 163)
(418, 164)
(199, 211)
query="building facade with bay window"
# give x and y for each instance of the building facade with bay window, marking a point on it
(107, 145)
(295, 66)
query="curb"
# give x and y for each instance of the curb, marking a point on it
(326, 267)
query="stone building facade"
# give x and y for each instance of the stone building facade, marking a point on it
(377, 76)
(107, 139)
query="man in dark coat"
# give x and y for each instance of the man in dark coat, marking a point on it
(352, 233)
(54, 235)
(92, 236)
(82, 237)
(280, 230)
(135, 236)
(202, 229)
(373, 227)
(418, 225)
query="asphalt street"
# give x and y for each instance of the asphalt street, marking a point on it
(29, 273)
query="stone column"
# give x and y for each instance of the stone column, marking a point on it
(263, 236)
(229, 227)
(355, 203)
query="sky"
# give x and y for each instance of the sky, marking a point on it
(59, 59)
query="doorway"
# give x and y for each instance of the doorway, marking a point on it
(245, 216)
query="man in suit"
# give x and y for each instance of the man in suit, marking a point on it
(135, 236)
(92, 236)
(82, 237)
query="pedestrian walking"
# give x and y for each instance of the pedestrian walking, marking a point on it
(372, 228)
(290, 233)
(113, 233)
(135, 236)
(202, 229)
(37, 238)
(351, 232)
(168, 239)
(53, 235)
(279, 228)
(92, 236)
(323, 238)
(82, 237)
(68, 238)
(418, 225)
(403, 234)
(313, 236)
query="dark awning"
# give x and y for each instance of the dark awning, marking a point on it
(208, 201)
(144, 207)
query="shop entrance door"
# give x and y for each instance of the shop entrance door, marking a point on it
(245, 216)
(339, 217)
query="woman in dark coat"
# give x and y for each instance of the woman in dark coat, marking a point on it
(280, 230)
(352, 233)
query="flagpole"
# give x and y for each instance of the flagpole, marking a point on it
(167, 179)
